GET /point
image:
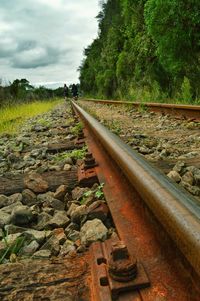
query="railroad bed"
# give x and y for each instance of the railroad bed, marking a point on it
(149, 226)
(170, 143)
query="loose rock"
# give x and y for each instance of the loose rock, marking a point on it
(36, 183)
(67, 248)
(21, 216)
(59, 220)
(174, 175)
(29, 197)
(93, 231)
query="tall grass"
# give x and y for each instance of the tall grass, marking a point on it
(13, 116)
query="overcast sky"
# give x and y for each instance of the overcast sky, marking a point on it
(43, 40)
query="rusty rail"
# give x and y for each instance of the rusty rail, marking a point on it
(176, 210)
(186, 111)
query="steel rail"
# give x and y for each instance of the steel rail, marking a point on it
(187, 111)
(175, 209)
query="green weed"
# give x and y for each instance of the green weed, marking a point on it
(78, 153)
(186, 89)
(75, 154)
(11, 249)
(99, 192)
(142, 107)
(115, 127)
(77, 128)
(43, 122)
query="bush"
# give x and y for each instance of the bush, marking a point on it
(186, 88)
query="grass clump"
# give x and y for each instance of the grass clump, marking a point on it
(13, 116)
(43, 122)
(97, 194)
(11, 250)
(74, 155)
(77, 128)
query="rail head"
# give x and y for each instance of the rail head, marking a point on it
(148, 104)
(178, 213)
(186, 111)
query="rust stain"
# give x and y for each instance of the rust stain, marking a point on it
(145, 238)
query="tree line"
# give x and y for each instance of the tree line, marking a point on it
(20, 90)
(145, 49)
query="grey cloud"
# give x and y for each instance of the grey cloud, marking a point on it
(26, 45)
(43, 36)
(37, 56)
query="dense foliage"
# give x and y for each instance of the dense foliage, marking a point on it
(145, 49)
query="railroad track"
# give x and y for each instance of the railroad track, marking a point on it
(172, 144)
(151, 247)
(157, 222)
(185, 111)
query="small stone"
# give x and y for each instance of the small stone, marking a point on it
(52, 245)
(73, 235)
(11, 238)
(13, 258)
(192, 189)
(54, 203)
(140, 136)
(45, 196)
(55, 168)
(35, 208)
(49, 210)
(60, 235)
(93, 231)
(12, 229)
(188, 178)
(189, 155)
(72, 208)
(30, 248)
(98, 210)
(78, 214)
(69, 161)
(195, 190)
(9, 209)
(70, 227)
(67, 198)
(67, 167)
(196, 173)
(67, 248)
(42, 254)
(17, 197)
(43, 219)
(78, 192)
(179, 167)
(35, 153)
(38, 236)
(174, 175)
(29, 197)
(59, 220)
(60, 192)
(5, 201)
(42, 169)
(89, 200)
(144, 150)
(164, 153)
(21, 216)
(81, 249)
(193, 169)
(36, 183)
